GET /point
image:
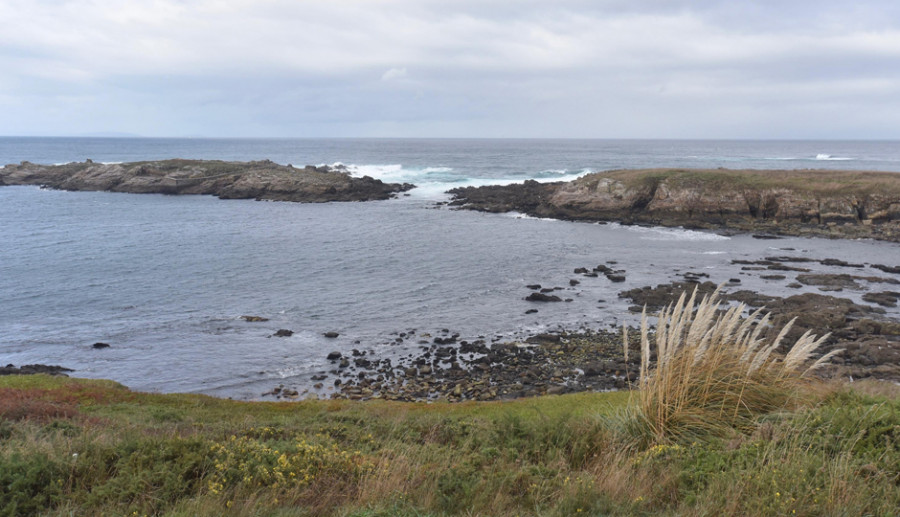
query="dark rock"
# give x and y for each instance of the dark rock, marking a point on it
(782, 267)
(573, 282)
(556, 390)
(541, 297)
(887, 269)
(253, 318)
(283, 333)
(31, 369)
(544, 338)
(531, 311)
(828, 280)
(593, 369)
(534, 287)
(615, 278)
(99, 345)
(885, 299)
(334, 356)
(840, 263)
(773, 277)
(789, 259)
(331, 335)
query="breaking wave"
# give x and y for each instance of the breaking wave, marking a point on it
(432, 182)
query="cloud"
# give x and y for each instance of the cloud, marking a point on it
(393, 74)
(593, 68)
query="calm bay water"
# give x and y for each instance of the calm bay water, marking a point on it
(165, 279)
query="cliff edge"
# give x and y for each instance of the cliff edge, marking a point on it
(840, 204)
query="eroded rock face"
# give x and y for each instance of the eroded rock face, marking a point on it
(833, 203)
(227, 180)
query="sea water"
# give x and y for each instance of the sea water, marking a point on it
(165, 279)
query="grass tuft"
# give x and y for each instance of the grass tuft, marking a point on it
(713, 373)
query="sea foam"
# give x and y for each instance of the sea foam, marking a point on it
(828, 157)
(671, 234)
(432, 182)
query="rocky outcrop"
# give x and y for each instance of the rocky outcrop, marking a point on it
(870, 341)
(830, 203)
(227, 180)
(31, 369)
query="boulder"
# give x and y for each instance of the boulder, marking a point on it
(541, 297)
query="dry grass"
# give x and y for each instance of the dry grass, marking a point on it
(815, 182)
(713, 373)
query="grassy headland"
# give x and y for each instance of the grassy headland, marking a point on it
(845, 204)
(227, 180)
(70, 446)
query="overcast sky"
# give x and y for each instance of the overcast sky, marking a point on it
(451, 68)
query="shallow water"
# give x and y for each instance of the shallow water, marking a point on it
(164, 280)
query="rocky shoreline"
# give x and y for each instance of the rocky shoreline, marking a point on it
(820, 203)
(31, 369)
(261, 180)
(447, 368)
(443, 366)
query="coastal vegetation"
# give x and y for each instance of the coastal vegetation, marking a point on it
(723, 423)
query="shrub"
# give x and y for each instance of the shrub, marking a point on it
(250, 463)
(21, 404)
(29, 483)
(713, 373)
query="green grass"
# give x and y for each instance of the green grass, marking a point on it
(813, 182)
(86, 447)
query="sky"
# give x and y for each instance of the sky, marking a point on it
(779, 69)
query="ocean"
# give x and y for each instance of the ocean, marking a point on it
(164, 280)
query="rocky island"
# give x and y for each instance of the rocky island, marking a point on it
(262, 180)
(822, 203)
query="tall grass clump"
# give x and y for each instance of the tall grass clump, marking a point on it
(714, 374)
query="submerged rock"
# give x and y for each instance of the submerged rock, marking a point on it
(541, 297)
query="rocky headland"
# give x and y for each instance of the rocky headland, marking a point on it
(262, 180)
(823, 203)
